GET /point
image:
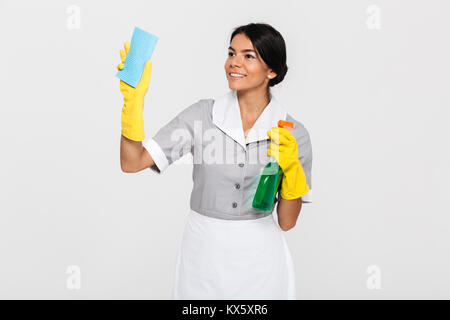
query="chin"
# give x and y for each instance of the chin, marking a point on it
(233, 86)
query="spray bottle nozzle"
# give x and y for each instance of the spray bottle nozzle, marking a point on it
(284, 124)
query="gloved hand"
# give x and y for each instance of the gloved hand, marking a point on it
(284, 149)
(133, 98)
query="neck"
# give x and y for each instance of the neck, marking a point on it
(253, 102)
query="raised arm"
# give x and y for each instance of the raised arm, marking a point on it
(133, 156)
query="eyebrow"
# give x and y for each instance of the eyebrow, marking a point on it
(245, 50)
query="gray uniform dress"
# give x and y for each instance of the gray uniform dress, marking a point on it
(229, 250)
(227, 165)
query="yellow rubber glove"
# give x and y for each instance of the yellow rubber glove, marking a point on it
(133, 100)
(284, 149)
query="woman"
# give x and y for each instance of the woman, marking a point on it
(230, 250)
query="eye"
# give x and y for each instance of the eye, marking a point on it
(247, 55)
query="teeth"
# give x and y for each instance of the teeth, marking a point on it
(237, 75)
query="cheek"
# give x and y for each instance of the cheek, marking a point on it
(255, 71)
(254, 67)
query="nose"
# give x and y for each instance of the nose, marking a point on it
(235, 62)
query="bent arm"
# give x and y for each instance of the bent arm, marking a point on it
(133, 156)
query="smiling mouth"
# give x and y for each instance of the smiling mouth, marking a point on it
(236, 76)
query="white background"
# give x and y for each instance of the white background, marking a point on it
(375, 102)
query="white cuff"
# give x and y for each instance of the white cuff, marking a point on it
(307, 197)
(157, 154)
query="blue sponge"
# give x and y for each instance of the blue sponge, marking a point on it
(141, 49)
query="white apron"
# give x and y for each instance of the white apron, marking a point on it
(233, 259)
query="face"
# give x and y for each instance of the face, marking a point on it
(244, 60)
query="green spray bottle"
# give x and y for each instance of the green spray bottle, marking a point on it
(269, 180)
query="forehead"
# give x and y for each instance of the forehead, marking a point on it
(241, 41)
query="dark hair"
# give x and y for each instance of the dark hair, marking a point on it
(270, 46)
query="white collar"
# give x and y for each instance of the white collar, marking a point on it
(227, 116)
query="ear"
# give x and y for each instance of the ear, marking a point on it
(272, 74)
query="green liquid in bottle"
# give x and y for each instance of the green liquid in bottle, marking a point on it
(267, 187)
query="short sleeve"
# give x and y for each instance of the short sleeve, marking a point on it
(305, 156)
(175, 139)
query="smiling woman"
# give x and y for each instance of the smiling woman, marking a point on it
(236, 258)
(256, 51)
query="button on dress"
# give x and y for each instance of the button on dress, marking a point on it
(229, 250)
